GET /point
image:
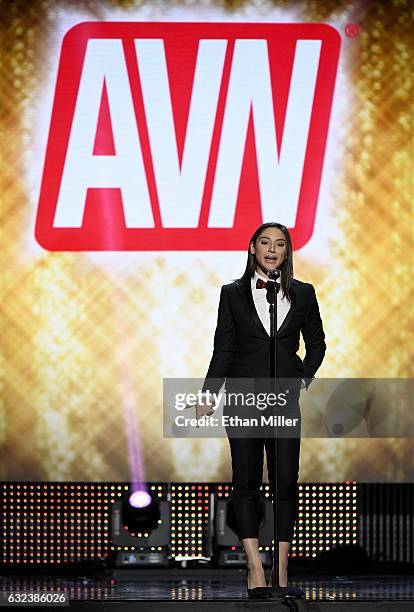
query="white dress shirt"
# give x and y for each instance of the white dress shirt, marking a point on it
(262, 305)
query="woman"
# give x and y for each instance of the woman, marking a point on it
(242, 349)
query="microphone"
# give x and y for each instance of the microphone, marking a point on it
(273, 274)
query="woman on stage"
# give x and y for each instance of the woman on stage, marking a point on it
(242, 349)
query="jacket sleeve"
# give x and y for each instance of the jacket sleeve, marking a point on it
(224, 341)
(314, 338)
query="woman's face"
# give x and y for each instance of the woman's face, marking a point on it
(270, 249)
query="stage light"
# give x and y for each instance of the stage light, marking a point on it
(140, 512)
(140, 499)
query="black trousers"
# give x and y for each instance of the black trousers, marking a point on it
(247, 456)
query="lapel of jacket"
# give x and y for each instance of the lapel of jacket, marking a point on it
(247, 296)
(291, 311)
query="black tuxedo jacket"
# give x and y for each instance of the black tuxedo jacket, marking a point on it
(242, 344)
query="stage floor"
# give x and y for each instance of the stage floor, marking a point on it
(165, 585)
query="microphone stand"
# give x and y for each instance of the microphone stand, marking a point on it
(271, 296)
(272, 299)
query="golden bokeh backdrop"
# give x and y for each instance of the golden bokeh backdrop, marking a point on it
(88, 337)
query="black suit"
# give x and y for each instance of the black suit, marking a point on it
(241, 350)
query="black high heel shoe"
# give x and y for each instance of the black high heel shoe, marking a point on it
(291, 591)
(286, 591)
(258, 592)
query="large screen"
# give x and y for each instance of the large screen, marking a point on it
(142, 144)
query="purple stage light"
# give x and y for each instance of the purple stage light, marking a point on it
(140, 499)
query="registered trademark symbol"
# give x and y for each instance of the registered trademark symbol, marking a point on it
(352, 30)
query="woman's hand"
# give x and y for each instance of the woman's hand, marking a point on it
(202, 408)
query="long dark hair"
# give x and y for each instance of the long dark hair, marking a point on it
(287, 266)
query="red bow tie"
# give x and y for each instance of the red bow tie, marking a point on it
(261, 284)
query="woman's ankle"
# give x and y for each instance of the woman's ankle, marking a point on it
(255, 565)
(256, 577)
